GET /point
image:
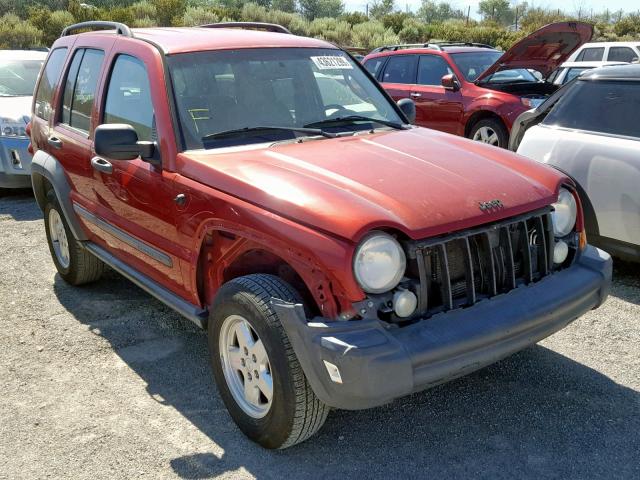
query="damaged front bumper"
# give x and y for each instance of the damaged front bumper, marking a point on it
(378, 362)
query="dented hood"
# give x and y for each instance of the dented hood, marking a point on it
(418, 181)
(544, 50)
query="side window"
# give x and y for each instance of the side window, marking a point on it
(431, 69)
(373, 65)
(622, 54)
(49, 82)
(129, 96)
(591, 55)
(80, 89)
(400, 69)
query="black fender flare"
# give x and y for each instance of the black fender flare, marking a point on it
(45, 167)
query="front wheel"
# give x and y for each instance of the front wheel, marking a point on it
(491, 131)
(257, 372)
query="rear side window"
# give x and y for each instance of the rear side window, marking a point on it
(401, 69)
(49, 83)
(622, 54)
(597, 106)
(591, 55)
(373, 65)
(431, 69)
(129, 96)
(573, 73)
(80, 88)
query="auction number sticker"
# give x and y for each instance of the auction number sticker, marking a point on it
(331, 62)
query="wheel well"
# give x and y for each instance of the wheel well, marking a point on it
(477, 116)
(40, 188)
(590, 219)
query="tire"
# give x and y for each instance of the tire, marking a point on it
(78, 266)
(491, 131)
(294, 412)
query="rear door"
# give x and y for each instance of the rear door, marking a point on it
(436, 107)
(399, 76)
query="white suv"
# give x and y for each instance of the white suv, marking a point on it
(590, 129)
(628, 52)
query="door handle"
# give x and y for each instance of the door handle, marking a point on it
(102, 165)
(415, 94)
(55, 142)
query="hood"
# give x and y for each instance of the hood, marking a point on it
(16, 109)
(544, 50)
(418, 181)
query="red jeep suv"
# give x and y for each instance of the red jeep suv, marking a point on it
(264, 187)
(472, 89)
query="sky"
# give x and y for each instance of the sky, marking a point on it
(569, 6)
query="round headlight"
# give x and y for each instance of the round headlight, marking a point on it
(564, 214)
(379, 263)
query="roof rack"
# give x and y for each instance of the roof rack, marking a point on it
(120, 28)
(431, 45)
(268, 27)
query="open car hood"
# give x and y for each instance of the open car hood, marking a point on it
(544, 50)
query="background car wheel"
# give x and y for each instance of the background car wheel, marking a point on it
(75, 264)
(258, 375)
(490, 131)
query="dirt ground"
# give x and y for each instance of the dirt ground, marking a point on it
(105, 382)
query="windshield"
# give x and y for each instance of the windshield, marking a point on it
(18, 78)
(292, 88)
(472, 64)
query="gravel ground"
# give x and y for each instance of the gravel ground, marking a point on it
(105, 382)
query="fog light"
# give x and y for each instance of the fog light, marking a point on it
(560, 252)
(334, 372)
(404, 303)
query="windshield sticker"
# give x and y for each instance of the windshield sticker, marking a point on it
(332, 62)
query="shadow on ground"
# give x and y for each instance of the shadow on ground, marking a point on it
(19, 204)
(536, 413)
(627, 281)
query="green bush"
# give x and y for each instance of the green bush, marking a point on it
(17, 34)
(194, 16)
(372, 34)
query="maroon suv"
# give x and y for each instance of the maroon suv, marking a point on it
(474, 90)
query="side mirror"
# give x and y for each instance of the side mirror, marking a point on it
(450, 82)
(408, 108)
(119, 141)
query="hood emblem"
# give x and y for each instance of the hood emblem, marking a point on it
(491, 205)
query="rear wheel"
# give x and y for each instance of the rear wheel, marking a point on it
(258, 375)
(490, 131)
(75, 264)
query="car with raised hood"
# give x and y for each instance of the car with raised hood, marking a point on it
(263, 185)
(474, 90)
(19, 71)
(591, 130)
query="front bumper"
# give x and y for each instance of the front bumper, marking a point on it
(15, 163)
(379, 363)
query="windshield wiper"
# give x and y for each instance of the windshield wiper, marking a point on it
(238, 132)
(356, 118)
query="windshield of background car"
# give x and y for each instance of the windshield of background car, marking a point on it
(472, 64)
(218, 91)
(18, 78)
(599, 106)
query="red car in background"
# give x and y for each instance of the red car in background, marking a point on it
(474, 90)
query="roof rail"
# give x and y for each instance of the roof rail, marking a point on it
(463, 44)
(269, 27)
(120, 28)
(431, 45)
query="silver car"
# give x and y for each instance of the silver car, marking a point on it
(591, 130)
(19, 71)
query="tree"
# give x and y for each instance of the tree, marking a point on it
(284, 5)
(381, 8)
(432, 12)
(498, 11)
(311, 9)
(168, 10)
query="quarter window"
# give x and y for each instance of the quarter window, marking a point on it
(431, 69)
(401, 69)
(591, 55)
(129, 97)
(49, 83)
(80, 89)
(622, 54)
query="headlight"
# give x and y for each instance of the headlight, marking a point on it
(379, 263)
(11, 128)
(564, 214)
